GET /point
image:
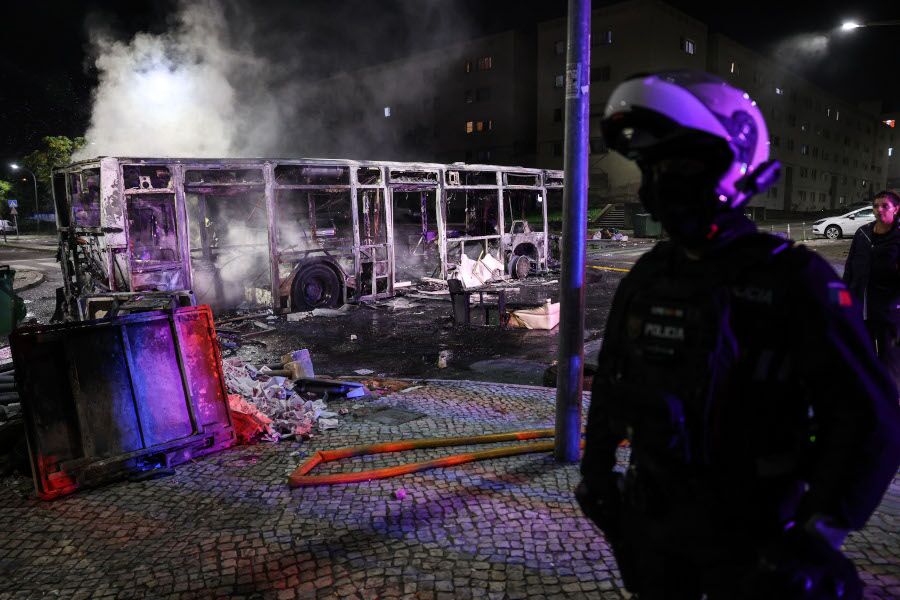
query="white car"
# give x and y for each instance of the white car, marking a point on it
(845, 225)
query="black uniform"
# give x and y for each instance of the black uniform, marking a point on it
(741, 379)
(872, 274)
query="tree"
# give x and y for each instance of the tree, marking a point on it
(57, 151)
(5, 192)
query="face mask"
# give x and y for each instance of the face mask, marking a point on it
(684, 203)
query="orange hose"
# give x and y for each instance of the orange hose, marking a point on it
(299, 477)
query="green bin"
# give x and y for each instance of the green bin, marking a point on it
(645, 226)
(12, 308)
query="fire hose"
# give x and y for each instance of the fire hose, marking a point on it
(300, 477)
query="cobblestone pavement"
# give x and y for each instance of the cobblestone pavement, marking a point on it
(227, 525)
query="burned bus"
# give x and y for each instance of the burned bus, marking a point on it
(292, 234)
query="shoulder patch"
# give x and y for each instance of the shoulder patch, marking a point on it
(838, 295)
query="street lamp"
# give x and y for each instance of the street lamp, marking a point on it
(16, 167)
(852, 25)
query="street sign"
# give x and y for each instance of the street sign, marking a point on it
(12, 203)
(13, 211)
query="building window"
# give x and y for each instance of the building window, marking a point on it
(600, 73)
(688, 46)
(559, 81)
(790, 144)
(470, 126)
(557, 149)
(605, 38)
(482, 94)
(468, 66)
(804, 126)
(387, 111)
(814, 173)
(733, 69)
(804, 149)
(804, 172)
(828, 112)
(558, 116)
(779, 91)
(485, 63)
(469, 97)
(792, 120)
(776, 141)
(815, 152)
(891, 151)
(559, 47)
(837, 115)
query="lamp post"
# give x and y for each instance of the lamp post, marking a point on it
(852, 25)
(16, 167)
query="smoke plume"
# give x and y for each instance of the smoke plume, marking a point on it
(238, 79)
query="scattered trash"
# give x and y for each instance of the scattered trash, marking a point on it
(443, 358)
(353, 337)
(412, 389)
(399, 493)
(542, 317)
(344, 411)
(386, 386)
(326, 424)
(268, 406)
(298, 316)
(402, 284)
(331, 312)
(364, 371)
(474, 273)
(299, 363)
(332, 387)
(609, 233)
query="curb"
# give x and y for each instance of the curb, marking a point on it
(33, 284)
(26, 247)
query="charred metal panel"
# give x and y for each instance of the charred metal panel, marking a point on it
(102, 399)
(112, 204)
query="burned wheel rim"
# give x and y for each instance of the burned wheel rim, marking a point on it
(519, 266)
(316, 286)
(832, 232)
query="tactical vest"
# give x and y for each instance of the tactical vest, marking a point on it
(702, 380)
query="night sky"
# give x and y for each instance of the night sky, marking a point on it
(48, 75)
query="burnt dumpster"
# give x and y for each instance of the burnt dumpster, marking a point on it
(116, 397)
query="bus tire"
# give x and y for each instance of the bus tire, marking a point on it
(316, 286)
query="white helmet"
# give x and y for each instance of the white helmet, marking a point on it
(661, 114)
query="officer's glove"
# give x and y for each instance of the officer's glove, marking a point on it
(800, 565)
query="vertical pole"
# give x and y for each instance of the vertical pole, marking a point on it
(37, 223)
(571, 288)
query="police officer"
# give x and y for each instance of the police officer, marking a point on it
(739, 423)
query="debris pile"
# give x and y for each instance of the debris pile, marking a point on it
(271, 406)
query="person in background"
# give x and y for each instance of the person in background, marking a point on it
(761, 428)
(872, 275)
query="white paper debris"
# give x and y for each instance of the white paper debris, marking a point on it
(364, 371)
(273, 397)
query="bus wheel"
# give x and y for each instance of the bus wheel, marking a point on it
(316, 286)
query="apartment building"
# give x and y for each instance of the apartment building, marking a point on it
(471, 102)
(500, 99)
(834, 153)
(891, 133)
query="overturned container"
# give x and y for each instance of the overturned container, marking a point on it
(108, 398)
